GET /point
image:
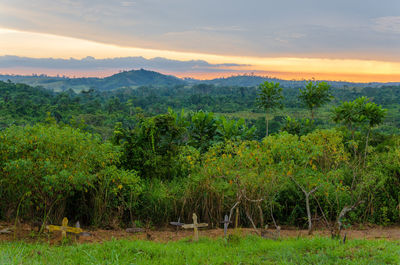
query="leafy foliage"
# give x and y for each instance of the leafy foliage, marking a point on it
(314, 95)
(152, 146)
(358, 112)
(45, 166)
(298, 127)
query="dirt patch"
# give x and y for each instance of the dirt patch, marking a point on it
(27, 234)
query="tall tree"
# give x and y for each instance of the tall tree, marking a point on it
(314, 95)
(360, 113)
(269, 98)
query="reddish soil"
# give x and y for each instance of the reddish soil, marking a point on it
(99, 235)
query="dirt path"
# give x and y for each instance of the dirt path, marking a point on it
(166, 235)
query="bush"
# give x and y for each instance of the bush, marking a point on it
(47, 167)
(382, 175)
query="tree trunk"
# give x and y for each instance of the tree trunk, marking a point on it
(308, 213)
(343, 212)
(366, 146)
(261, 216)
(272, 216)
(312, 114)
(266, 122)
(307, 194)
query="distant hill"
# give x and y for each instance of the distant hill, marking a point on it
(139, 78)
(135, 78)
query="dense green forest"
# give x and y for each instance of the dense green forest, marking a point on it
(98, 110)
(152, 154)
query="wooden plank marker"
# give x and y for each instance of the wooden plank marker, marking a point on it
(195, 227)
(177, 224)
(226, 223)
(64, 228)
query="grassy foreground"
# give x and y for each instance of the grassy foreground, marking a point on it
(249, 250)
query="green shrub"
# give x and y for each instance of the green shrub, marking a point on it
(44, 167)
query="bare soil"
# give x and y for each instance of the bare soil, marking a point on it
(26, 233)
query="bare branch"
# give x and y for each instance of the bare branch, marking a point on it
(298, 185)
(344, 211)
(272, 216)
(314, 189)
(323, 214)
(243, 192)
(251, 220)
(233, 207)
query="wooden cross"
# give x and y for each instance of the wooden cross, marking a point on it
(226, 222)
(195, 227)
(64, 228)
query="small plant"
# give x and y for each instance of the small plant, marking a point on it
(138, 223)
(66, 241)
(233, 239)
(384, 218)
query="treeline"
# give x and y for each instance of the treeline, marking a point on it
(156, 168)
(98, 111)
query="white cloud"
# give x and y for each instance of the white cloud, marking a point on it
(390, 24)
(127, 3)
(222, 29)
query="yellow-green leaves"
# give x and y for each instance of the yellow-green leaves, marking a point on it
(55, 164)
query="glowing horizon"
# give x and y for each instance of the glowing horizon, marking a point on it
(44, 45)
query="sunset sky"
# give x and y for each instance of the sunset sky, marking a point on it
(350, 40)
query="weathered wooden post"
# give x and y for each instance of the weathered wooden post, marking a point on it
(226, 223)
(64, 225)
(195, 227)
(77, 225)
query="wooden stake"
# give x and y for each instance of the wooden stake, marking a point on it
(237, 218)
(196, 231)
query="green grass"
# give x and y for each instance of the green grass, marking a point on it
(249, 250)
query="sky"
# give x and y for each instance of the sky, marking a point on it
(354, 40)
